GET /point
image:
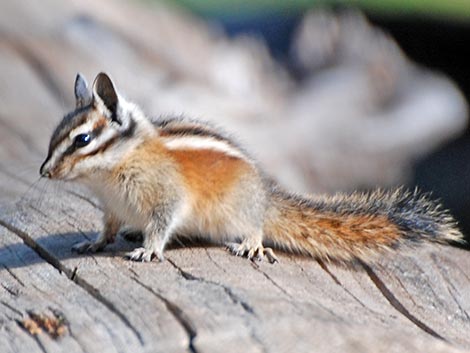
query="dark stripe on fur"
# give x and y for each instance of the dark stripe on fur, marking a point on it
(103, 147)
(187, 127)
(94, 133)
(72, 148)
(129, 132)
(68, 123)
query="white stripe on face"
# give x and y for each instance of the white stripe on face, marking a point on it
(199, 142)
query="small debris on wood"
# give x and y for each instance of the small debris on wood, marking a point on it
(53, 324)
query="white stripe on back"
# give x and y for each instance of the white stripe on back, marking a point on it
(203, 143)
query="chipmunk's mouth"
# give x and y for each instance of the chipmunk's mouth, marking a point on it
(45, 171)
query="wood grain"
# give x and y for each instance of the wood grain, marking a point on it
(200, 299)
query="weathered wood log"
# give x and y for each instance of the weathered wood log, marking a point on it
(201, 299)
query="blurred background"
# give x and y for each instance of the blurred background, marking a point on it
(328, 95)
(432, 33)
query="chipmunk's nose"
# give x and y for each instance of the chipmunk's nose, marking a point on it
(44, 171)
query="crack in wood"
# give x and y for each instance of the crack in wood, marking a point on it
(335, 279)
(39, 290)
(89, 288)
(94, 292)
(462, 272)
(16, 311)
(13, 293)
(273, 282)
(292, 299)
(233, 297)
(72, 335)
(216, 264)
(12, 274)
(74, 273)
(396, 304)
(437, 298)
(178, 313)
(449, 286)
(408, 294)
(462, 310)
(38, 210)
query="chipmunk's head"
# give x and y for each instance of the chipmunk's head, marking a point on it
(86, 139)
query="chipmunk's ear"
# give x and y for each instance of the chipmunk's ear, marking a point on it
(82, 94)
(104, 93)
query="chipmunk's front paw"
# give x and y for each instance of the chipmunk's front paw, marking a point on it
(144, 255)
(252, 251)
(88, 246)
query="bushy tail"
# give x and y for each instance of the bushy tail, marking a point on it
(357, 226)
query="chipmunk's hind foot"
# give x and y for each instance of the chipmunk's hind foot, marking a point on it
(252, 251)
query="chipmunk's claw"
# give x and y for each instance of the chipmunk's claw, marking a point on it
(257, 252)
(144, 255)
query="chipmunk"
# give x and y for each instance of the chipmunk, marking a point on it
(172, 177)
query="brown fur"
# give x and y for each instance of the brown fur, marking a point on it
(101, 123)
(208, 174)
(328, 236)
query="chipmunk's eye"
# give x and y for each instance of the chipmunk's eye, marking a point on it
(82, 140)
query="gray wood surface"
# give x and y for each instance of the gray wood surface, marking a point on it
(201, 299)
